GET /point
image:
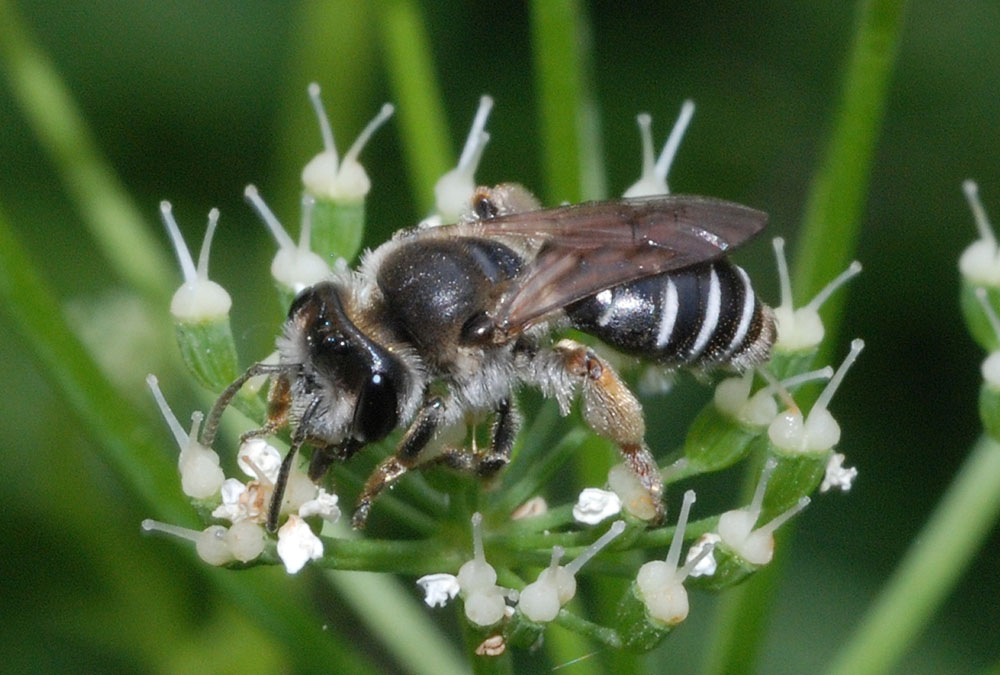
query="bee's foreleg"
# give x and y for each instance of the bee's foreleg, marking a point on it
(612, 411)
(407, 455)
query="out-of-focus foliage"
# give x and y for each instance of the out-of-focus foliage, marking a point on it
(190, 101)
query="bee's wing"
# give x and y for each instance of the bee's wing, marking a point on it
(589, 247)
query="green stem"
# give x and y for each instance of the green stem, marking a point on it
(936, 560)
(423, 127)
(416, 557)
(569, 129)
(531, 484)
(835, 206)
(606, 636)
(113, 219)
(828, 241)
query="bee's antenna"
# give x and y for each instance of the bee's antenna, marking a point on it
(278, 496)
(226, 397)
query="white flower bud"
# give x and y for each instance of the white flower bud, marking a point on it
(327, 176)
(198, 299)
(801, 329)
(736, 527)
(294, 266)
(556, 585)
(980, 262)
(454, 189)
(819, 431)
(210, 543)
(661, 583)
(201, 475)
(476, 573)
(654, 175)
(246, 540)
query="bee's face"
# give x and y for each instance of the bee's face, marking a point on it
(341, 362)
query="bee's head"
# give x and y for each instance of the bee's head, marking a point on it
(364, 381)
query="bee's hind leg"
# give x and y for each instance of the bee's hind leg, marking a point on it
(612, 411)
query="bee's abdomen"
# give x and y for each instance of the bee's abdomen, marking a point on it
(702, 315)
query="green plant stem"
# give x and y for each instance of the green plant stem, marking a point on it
(416, 557)
(836, 201)
(827, 243)
(531, 484)
(936, 560)
(112, 218)
(423, 127)
(568, 123)
(606, 636)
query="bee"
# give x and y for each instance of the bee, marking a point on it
(440, 323)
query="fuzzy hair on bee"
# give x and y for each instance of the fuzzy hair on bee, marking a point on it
(445, 322)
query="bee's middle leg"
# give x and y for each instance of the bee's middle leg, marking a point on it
(420, 432)
(612, 411)
(506, 424)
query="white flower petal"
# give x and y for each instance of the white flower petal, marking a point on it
(439, 589)
(257, 453)
(594, 505)
(837, 475)
(297, 544)
(323, 505)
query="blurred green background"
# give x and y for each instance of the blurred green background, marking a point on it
(190, 101)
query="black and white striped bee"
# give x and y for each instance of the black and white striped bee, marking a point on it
(443, 323)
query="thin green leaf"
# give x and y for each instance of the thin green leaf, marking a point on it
(938, 557)
(568, 119)
(112, 218)
(828, 241)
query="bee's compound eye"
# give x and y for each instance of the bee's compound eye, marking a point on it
(375, 415)
(477, 329)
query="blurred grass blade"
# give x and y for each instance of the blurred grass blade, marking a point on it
(120, 432)
(568, 121)
(940, 554)
(420, 107)
(835, 207)
(399, 622)
(827, 243)
(113, 220)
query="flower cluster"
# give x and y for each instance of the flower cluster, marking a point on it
(753, 417)
(979, 266)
